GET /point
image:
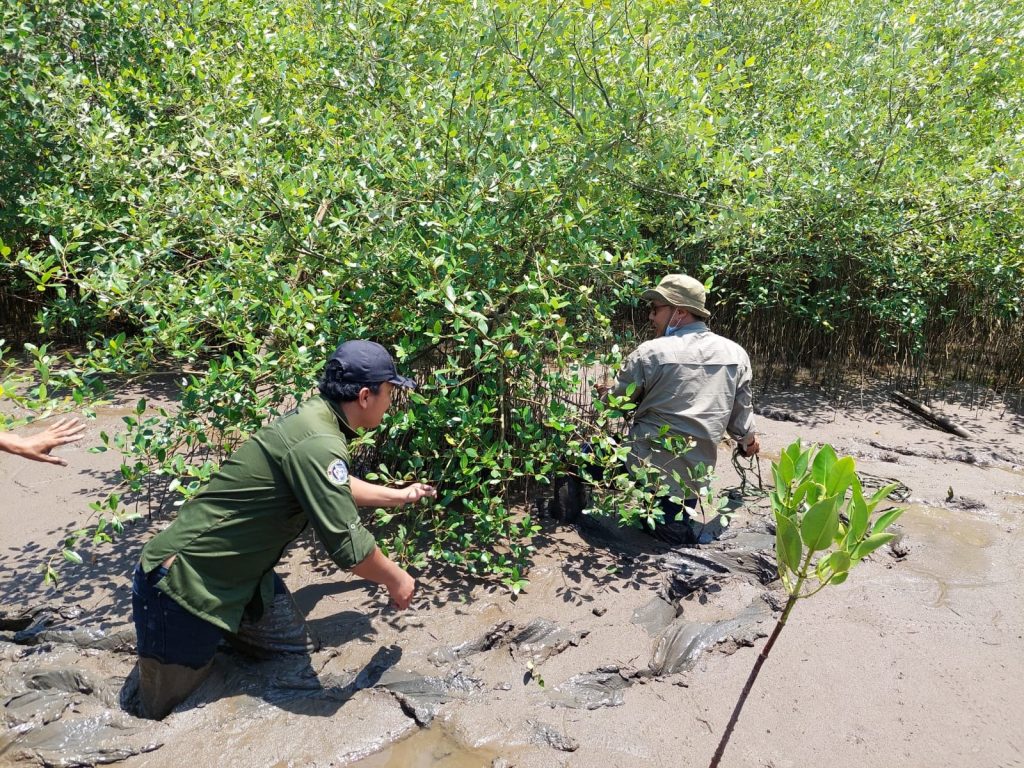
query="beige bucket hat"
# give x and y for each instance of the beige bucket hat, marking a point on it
(680, 291)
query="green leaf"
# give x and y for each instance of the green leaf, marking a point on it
(785, 475)
(51, 576)
(820, 523)
(858, 511)
(788, 549)
(840, 477)
(815, 491)
(801, 493)
(887, 519)
(880, 494)
(822, 463)
(777, 479)
(72, 557)
(823, 569)
(840, 561)
(793, 450)
(870, 544)
(802, 458)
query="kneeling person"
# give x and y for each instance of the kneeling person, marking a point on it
(210, 573)
(691, 384)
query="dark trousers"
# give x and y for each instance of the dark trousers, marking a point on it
(176, 647)
(572, 489)
(164, 630)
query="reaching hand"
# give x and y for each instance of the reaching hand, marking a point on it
(402, 590)
(37, 447)
(416, 491)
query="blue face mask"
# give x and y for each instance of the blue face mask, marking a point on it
(670, 329)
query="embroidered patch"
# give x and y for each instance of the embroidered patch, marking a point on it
(337, 473)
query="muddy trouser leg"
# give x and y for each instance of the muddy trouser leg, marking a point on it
(175, 647)
(671, 509)
(571, 489)
(281, 629)
(672, 531)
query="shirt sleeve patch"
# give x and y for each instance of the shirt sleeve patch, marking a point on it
(337, 472)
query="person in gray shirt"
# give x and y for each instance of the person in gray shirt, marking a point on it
(690, 380)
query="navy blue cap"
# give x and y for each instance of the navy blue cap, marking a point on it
(367, 362)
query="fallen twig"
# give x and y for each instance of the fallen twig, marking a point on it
(929, 415)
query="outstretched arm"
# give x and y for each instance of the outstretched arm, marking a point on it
(37, 447)
(378, 568)
(372, 495)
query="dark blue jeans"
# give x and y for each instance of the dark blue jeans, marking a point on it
(165, 631)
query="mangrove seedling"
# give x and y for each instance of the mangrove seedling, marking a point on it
(824, 526)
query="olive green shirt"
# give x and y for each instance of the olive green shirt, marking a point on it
(231, 534)
(696, 383)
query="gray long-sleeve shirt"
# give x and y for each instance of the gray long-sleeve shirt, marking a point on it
(699, 385)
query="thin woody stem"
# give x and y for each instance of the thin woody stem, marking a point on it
(753, 675)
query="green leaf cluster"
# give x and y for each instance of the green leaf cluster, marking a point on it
(221, 192)
(824, 522)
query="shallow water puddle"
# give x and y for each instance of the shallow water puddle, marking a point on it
(430, 748)
(949, 547)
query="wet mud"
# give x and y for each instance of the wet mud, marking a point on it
(62, 708)
(421, 696)
(80, 713)
(622, 651)
(980, 456)
(683, 641)
(434, 748)
(592, 690)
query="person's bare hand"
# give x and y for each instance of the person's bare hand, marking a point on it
(61, 432)
(753, 449)
(401, 591)
(417, 491)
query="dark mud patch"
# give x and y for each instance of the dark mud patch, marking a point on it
(107, 737)
(60, 714)
(537, 641)
(62, 626)
(684, 640)
(541, 639)
(981, 457)
(15, 622)
(778, 414)
(421, 696)
(746, 556)
(543, 733)
(67, 707)
(492, 638)
(592, 690)
(85, 638)
(654, 615)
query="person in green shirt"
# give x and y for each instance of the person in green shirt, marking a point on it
(209, 575)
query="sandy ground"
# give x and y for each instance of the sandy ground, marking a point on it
(620, 653)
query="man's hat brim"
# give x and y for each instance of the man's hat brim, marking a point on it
(652, 294)
(402, 381)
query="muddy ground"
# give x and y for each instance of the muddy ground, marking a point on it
(622, 652)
